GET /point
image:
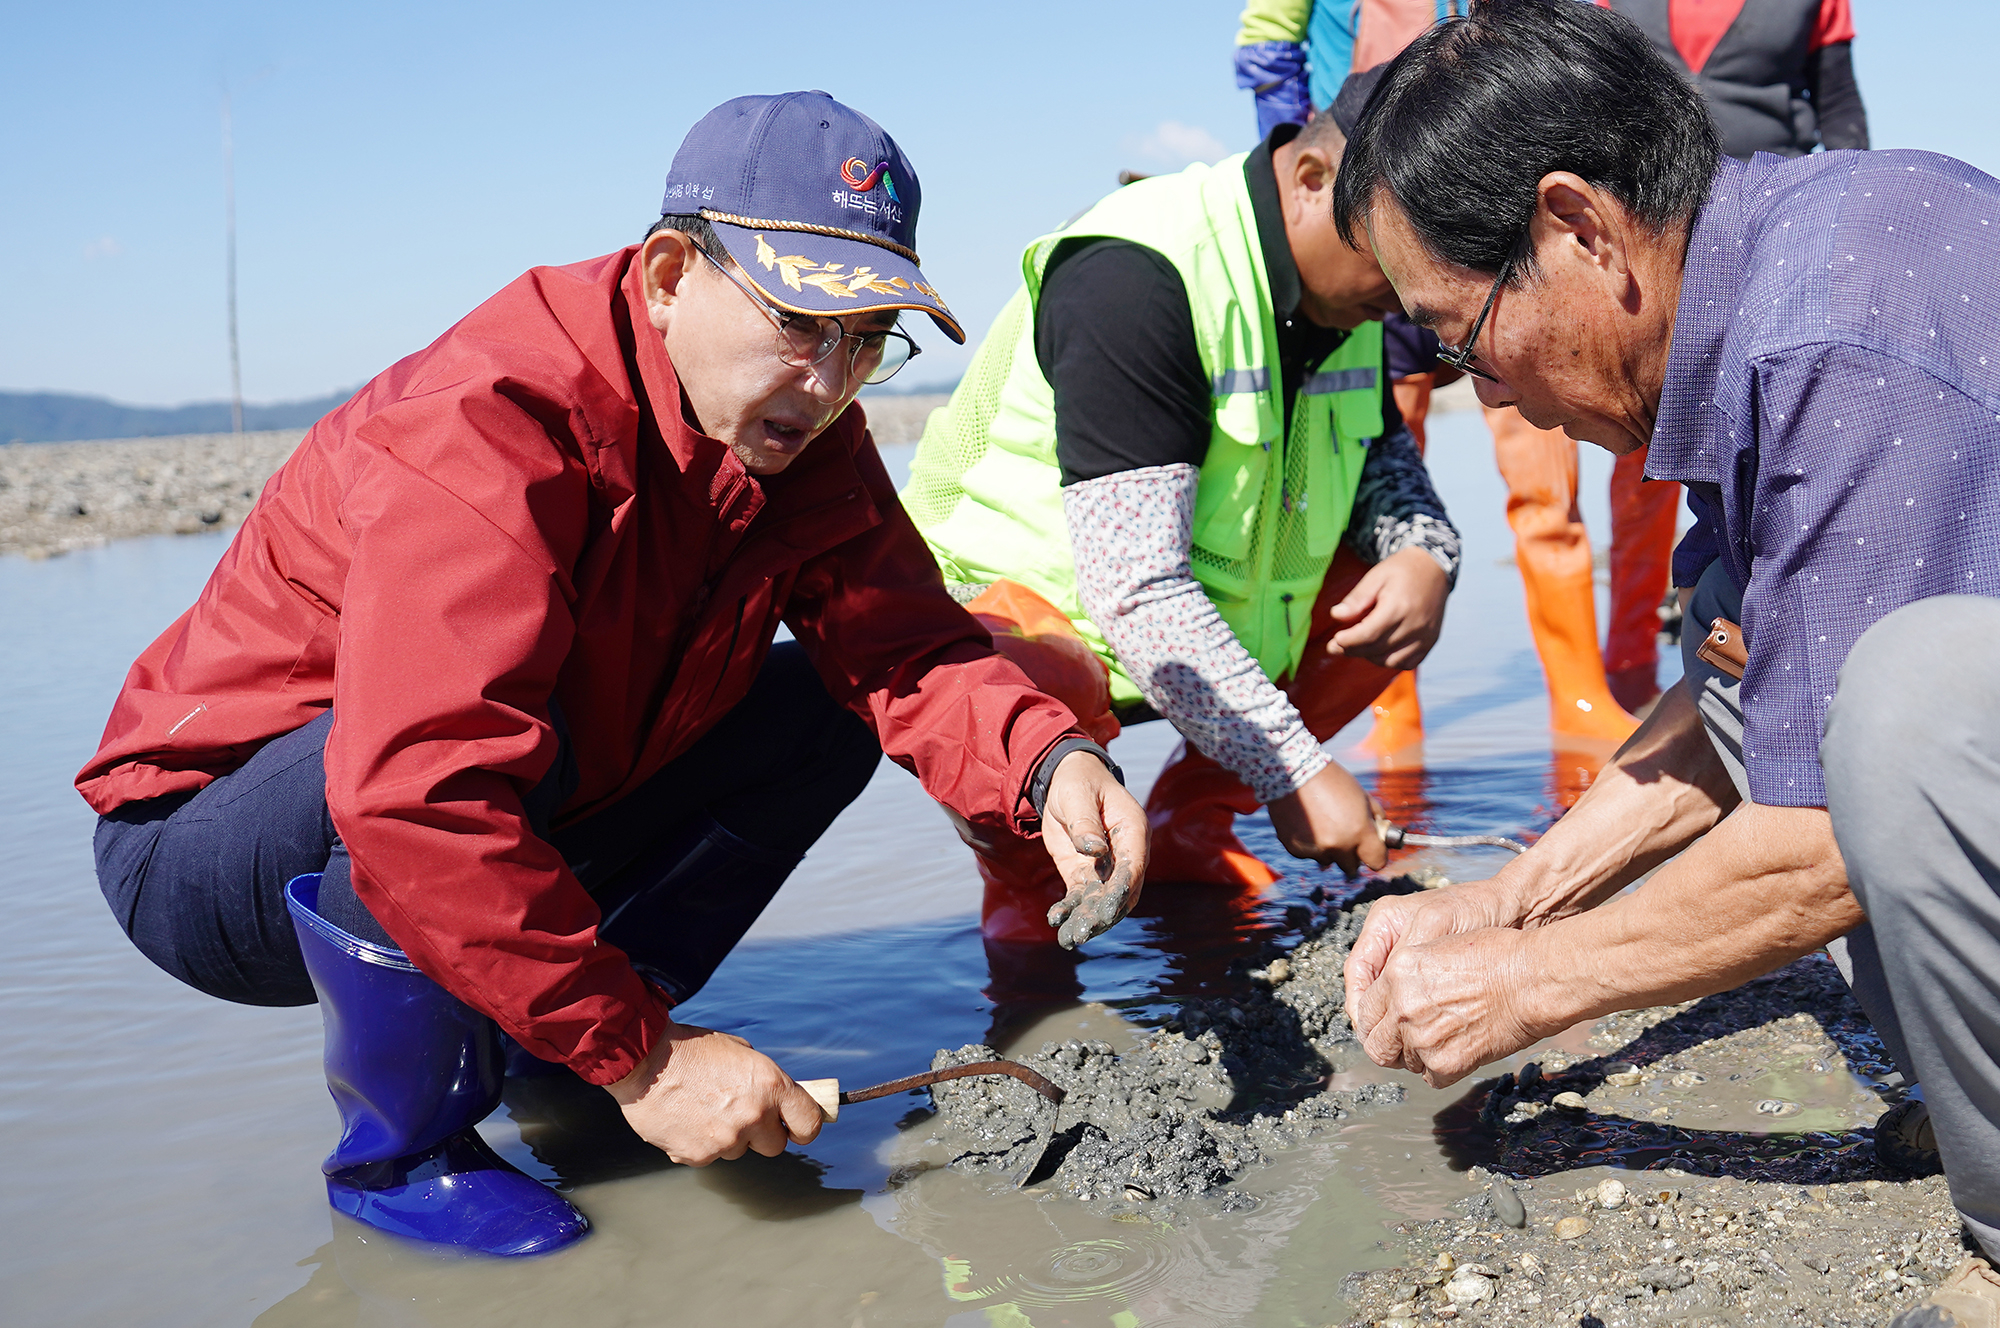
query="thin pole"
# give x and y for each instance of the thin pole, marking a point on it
(229, 229)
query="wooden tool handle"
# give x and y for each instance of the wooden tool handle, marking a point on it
(826, 1092)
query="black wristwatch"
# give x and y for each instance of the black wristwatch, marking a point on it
(1038, 787)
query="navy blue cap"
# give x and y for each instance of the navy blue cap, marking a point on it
(1352, 102)
(814, 202)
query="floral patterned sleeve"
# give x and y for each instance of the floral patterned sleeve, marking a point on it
(1131, 534)
(1397, 508)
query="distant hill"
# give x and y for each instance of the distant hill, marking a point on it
(55, 417)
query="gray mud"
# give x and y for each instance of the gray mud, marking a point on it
(1212, 1092)
(1734, 1133)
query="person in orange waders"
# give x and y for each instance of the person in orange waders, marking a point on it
(1173, 483)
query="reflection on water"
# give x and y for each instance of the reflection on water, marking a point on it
(163, 1146)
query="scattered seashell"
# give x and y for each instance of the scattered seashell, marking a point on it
(1777, 1106)
(1571, 1227)
(1688, 1079)
(1468, 1288)
(1568, 1101)
(1611, 1194)
(1624, 1079)
(1279, 970)
(1137, 1192)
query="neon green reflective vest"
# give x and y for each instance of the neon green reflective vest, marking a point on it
(986, 489)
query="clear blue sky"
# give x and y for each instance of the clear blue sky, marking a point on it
(397, 164)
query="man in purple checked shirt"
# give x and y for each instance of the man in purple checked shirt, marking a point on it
(1812, 346)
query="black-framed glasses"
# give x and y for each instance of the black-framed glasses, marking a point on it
(1460, 357)
(806, 340)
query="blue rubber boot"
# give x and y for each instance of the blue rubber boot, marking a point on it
(413, 1069)
(678, 912)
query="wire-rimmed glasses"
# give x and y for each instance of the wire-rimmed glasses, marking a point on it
(1460, 357)
(807, 339)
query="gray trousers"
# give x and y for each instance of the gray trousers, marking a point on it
(1911, 756)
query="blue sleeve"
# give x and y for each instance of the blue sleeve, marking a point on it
(1877, 485)
(1697, 548)
(1330, 48)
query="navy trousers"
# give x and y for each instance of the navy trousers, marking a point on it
(197, 880)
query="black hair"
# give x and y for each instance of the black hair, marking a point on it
(691, 224)
(1468, 119)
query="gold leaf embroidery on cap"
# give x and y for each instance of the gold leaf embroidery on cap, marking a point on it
(789, 265)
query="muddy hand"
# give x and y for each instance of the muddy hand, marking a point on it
(1096, 834)
(1330, 820)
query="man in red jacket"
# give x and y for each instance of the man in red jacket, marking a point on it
(478, 726)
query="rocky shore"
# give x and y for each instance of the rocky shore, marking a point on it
(57, 497)
(1705, 1163)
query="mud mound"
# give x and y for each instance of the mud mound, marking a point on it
(1204, 1098)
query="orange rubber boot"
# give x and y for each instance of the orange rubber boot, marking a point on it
(1552, 550)
(1022, 883)
(1399, 720)
(1192, 813)
(1642, 550)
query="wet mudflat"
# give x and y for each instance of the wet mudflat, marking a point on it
(163, 1147)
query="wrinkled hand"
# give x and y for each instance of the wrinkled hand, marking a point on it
(701, 1094)
(1417, 918)
(1443, 1008)
(1096, 833)
(1331, 819)
(1394, 613)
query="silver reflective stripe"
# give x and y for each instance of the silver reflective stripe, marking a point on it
(1340, 380)
(1242, 380)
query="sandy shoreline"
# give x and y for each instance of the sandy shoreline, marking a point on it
(56, 497)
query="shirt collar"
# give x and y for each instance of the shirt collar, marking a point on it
(1262, 178)
(1685, 445)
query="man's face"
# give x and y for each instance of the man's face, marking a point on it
(1569, 350)
(1339, 286)
(726, 352)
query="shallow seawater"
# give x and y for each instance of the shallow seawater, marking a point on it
(163, 1147)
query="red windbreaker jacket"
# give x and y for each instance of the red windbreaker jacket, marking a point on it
(517, 512)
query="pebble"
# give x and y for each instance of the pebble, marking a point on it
(1572, 1227)
(1665, 1276)
(1507, 1205)
(1279, 970)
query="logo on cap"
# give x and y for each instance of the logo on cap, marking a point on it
(859, 177)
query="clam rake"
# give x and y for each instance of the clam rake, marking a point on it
(826, 1092)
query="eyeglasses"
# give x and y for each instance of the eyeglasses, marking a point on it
(806, 340)
(1460, 357)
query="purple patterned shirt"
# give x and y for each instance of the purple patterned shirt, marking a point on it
(1832, 402)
